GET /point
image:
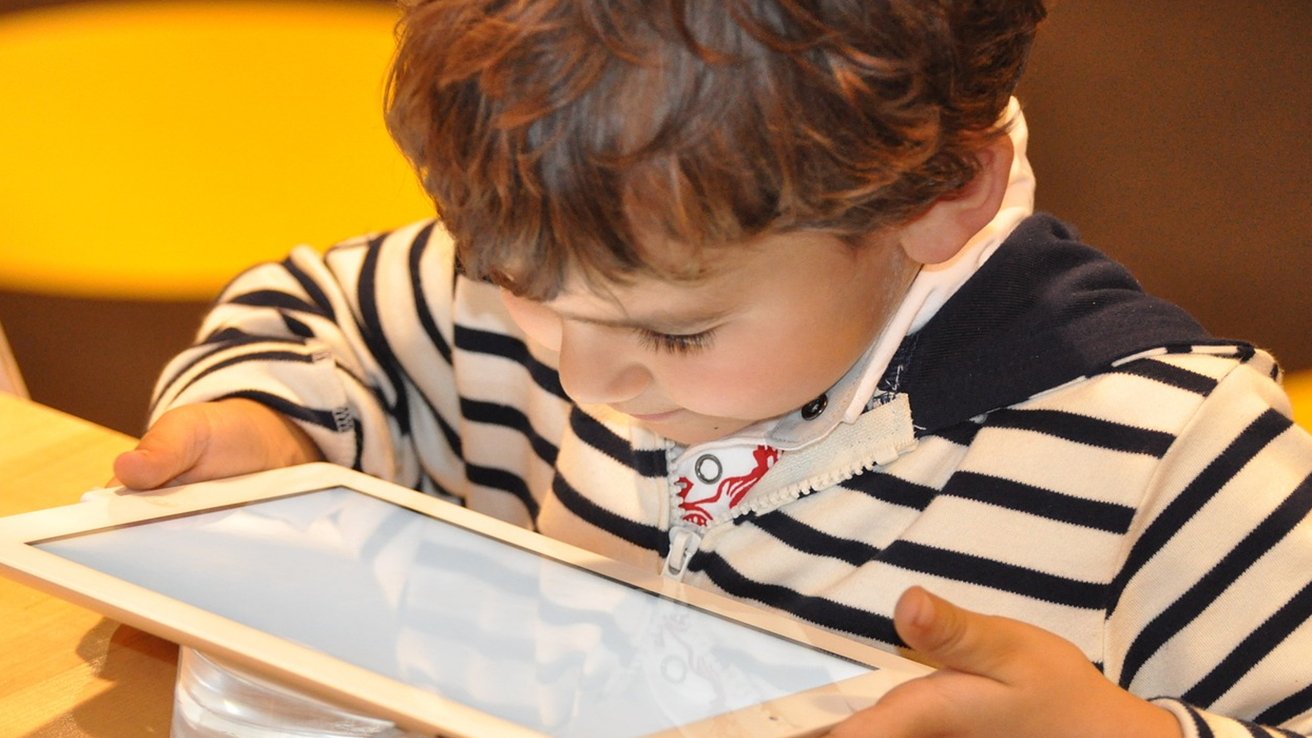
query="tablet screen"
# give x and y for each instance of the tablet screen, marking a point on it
(529, 639)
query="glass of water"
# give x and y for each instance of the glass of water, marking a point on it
(215, 700)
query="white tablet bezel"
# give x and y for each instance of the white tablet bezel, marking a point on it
(322, 675)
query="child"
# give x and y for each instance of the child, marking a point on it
(749, 291)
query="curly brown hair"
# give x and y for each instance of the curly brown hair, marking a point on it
(551, 134)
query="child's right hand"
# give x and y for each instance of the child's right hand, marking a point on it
(192, 443)
(999, 678)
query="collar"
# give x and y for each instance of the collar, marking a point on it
(1044, 311)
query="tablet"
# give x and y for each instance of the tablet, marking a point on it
(443, 620)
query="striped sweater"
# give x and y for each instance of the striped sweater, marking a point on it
(1054, 446)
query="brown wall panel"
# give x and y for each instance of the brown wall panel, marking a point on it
(1176, 136)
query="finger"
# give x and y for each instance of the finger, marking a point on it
(957, 641)
(940, 704)
(953, 637)
(168, 450)
(140, 469)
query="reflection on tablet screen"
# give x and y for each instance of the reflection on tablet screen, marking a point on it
(504, 630)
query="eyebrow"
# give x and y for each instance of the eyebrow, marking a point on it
(657, 322)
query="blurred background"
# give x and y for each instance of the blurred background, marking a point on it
(149, 150)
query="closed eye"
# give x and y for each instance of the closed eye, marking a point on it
(680, 344)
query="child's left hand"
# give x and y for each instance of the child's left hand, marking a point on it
(999, 678)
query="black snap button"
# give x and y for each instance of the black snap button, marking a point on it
(812, 409)
(708, 469)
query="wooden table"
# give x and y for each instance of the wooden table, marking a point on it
(64, 670)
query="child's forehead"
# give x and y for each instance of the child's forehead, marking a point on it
(701, 281)
(658, 305)
(668, 264)
(674, 274)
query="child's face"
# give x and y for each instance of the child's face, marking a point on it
(771, 327)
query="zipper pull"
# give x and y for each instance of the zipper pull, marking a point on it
(683, 544)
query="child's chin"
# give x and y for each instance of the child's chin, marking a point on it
(691, 431)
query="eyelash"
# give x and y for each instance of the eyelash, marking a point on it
(676, 344)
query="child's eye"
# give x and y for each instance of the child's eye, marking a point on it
(675, 344)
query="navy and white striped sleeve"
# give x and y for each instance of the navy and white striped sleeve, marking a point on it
(316, 338)
(1213, 602)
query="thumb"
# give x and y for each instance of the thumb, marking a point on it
(171, 447)
(949, 636)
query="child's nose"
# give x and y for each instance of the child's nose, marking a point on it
(597, 369)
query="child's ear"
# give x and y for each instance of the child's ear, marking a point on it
(940, 232)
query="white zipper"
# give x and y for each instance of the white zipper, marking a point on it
(683, 544)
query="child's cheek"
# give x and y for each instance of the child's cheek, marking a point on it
(737, 386)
